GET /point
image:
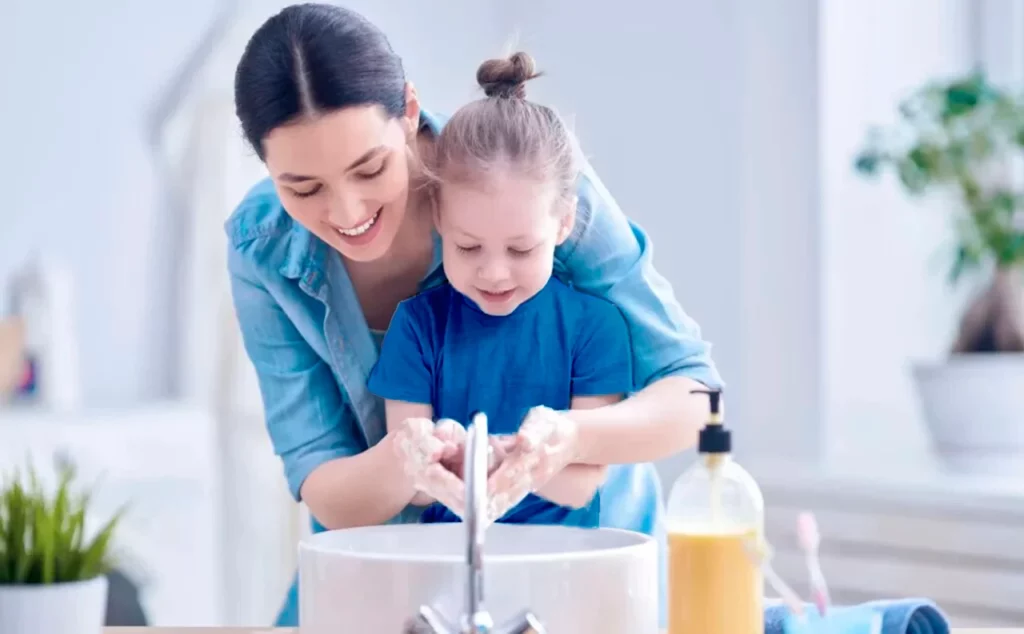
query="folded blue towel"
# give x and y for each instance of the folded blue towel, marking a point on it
(898, 616)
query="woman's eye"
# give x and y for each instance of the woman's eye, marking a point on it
(462, 249)
(377, 172)
(308, 193)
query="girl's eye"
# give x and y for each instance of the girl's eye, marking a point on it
(311, 192)
(375, 173)
(462, 249)
(520, 253)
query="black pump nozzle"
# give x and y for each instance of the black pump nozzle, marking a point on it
(716, 400)
(714, 438)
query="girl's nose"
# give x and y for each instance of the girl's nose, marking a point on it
(494, 270)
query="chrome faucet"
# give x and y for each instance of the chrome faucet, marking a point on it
(476, 619)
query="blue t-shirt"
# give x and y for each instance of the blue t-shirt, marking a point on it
(442, 349)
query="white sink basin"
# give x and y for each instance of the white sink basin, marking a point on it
(575, 580)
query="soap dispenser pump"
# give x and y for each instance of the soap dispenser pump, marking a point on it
(715, 522)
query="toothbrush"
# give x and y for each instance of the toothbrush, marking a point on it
(760, 552)
(810, 539)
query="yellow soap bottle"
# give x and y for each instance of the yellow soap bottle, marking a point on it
(715, 512)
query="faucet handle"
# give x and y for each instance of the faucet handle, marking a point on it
(525, 622)
(428, 621)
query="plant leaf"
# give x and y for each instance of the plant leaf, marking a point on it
(94, 559)
(42, 537)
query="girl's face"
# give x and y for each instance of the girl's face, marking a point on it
(499, 239)
(344, 176)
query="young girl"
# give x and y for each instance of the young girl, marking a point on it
(504, 336)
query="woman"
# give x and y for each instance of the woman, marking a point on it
(321, 253)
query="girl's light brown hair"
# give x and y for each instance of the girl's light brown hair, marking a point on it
(506, 132)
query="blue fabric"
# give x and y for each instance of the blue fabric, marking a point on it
(898, 616)
(638, 506)
(441, 349)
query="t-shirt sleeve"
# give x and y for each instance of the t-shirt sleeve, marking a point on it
(602, 357)
(404, 369)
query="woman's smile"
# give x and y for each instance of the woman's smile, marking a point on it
(362, 233)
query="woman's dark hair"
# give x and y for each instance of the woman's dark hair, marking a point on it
(311, 59)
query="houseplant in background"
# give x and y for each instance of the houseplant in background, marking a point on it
(52, 571)
(964, 138)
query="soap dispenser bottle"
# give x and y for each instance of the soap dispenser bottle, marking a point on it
(714, 518)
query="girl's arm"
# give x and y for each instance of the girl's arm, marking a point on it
(609, 256)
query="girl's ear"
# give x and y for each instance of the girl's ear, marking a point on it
(568, 220)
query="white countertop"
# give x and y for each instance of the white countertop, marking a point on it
(911, 476)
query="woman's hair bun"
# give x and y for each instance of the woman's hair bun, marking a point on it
(507, 77)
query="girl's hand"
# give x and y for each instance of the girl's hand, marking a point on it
(422, 449)
(454, 436)
(545, 444)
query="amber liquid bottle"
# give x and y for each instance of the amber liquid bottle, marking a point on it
(715, 513)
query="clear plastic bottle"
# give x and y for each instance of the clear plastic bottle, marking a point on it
(714, 516)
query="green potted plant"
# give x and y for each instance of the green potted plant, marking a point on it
(965, 138)
(52, 571)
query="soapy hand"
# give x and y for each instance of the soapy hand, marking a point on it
(455, 458)
(545, 444)
(423, 447)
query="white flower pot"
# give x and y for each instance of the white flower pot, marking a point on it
(974, 408)
(68, 608)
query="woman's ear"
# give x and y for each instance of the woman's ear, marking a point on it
(568, 220)
(411, 119)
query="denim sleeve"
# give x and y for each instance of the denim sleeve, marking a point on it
(308, 420)
(403, 369)
(610, 256)
(601, 363)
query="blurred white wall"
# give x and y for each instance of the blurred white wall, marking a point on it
(885, 257)
(77, 79)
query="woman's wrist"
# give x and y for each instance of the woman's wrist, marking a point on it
(394, 469)
(588, 433)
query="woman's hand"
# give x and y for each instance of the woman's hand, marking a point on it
(423, 447)
(545, 444)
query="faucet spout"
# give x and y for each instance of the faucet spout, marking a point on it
(476, 619)
(475, 476)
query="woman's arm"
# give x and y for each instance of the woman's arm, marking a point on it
(575, 485)
(609, 256)
(311, 427)
(659, 421)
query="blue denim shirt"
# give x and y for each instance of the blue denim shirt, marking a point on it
(312, 350)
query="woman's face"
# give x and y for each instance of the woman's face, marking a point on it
(344, 175)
